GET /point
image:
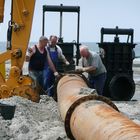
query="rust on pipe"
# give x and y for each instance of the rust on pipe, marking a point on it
(92, 117)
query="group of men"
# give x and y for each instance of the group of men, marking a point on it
(43, 61)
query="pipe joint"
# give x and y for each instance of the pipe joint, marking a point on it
(77, 103)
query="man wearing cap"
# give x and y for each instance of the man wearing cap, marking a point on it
(37, 56)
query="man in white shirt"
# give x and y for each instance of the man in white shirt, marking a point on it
(56, 54)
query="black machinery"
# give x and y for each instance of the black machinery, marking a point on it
(67, 47)
(7, 111)
(118, 60)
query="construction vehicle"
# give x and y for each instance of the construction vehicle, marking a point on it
(87, 117)
(17, 41)
(118, 60)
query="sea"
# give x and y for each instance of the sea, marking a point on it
(92, 46)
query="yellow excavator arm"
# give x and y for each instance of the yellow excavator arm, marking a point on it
(1, 10)
(20, 28)
(22, 16)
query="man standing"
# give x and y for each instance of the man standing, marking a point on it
(56, 55)
(37, 56)
(92, 64)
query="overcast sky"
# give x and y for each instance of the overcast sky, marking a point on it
(94, 14)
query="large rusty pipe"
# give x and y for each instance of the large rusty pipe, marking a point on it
(91, 119)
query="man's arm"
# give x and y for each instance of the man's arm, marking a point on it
(30, 52)
(90, 69)
(61, 55)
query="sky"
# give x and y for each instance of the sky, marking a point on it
(94, 14)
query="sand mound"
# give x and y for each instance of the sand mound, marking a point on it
(42, 121)
(33, 121)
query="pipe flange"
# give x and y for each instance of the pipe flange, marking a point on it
(77, 103)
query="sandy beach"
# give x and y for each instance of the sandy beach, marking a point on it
(110, 28)
(42, 121)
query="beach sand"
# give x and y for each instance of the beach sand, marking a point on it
(42, 121)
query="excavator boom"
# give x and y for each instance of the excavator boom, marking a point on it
(22, 16)
(17, 42)
(1, 10)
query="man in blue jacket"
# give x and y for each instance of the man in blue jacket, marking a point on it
(56, 55)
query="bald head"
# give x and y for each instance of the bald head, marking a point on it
(84, 52)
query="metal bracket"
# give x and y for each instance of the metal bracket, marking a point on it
(77, 103)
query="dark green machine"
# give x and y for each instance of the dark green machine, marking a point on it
(118, 60)
(67, 47)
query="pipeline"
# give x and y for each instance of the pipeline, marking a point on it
(91, 117)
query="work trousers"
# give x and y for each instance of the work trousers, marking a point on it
(97, 82)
